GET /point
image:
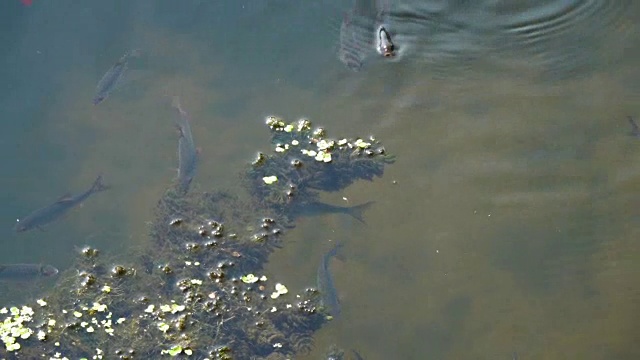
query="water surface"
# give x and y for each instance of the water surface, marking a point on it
(507, 224)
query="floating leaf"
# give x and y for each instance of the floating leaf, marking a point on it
(175, 350)
(281, 289)
(249, 279)
(270, 179)
(163, 327)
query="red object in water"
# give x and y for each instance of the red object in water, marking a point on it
(26, 2)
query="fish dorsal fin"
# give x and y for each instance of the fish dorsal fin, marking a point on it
(65, 197)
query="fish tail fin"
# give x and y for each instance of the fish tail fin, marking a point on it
(358, 211)
(336, 250)
(98, 185)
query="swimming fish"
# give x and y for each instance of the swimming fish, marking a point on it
(320, 208)
(357, 355)
(328, 292)
(188, 154)
(25, 272)
(635, 131)
(113, 77)
(50, 213)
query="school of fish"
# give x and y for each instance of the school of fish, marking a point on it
(362, 32)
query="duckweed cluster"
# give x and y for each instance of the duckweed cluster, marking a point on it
(306, 161)
(198, 289)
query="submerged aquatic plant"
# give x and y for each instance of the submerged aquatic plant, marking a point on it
(198, 289)
(305, 161)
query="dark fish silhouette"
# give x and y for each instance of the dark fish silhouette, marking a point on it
(52, 212)
(320, 208)
(635, 131)
(188, 154)
(357, 355)
(113, 77)
(26, 272)
(327, 289)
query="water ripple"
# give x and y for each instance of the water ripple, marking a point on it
(563, 37)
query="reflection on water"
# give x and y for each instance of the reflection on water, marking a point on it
(511, 227)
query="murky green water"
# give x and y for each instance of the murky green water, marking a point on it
(506, 225)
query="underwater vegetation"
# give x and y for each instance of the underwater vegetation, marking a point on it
(198, 289)
(306, 162)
